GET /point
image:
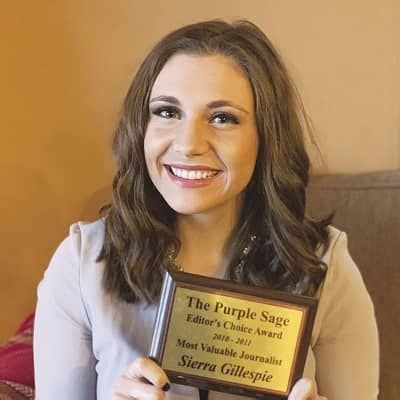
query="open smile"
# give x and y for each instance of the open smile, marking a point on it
(192, 174)
(197, 175)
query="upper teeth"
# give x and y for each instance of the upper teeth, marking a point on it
(193, 174)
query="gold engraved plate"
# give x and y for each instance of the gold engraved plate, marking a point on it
(230, 340)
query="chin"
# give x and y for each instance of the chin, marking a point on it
(189, 209)
(190, 206)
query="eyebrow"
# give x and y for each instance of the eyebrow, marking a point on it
(212, 104)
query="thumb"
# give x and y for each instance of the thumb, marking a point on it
(304, 389)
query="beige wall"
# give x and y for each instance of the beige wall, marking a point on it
(65, 67)
(396, 73)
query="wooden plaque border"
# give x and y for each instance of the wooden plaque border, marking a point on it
(176, 279)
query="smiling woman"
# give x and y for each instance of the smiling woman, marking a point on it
(201, 140)
(211, 172)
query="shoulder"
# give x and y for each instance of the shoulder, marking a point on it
(343, 291)
(341, 268)
(73, 271)
(80, 250)
(87, 236)
(83, 243)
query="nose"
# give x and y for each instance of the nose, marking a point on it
(191, 138)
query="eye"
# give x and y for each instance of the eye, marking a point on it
(224, 118)
(166, 112)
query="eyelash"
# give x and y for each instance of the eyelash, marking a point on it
(228, 117)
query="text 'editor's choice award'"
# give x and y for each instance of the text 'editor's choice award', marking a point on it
(220, 335)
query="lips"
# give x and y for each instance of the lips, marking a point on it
(192, 172)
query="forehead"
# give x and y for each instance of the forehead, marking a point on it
(204, 78)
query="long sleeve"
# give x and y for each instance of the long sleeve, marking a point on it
(63, 358)
(347, 351)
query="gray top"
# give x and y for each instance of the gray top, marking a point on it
(84, 339)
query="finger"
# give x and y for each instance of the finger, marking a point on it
(117, 396)
(304, 389)
(128, 388)
(148, 369)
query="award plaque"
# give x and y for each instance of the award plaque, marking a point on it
(221, 335)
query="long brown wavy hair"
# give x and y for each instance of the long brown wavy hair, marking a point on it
(140, 226)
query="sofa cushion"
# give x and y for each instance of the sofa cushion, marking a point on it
(16, 364)
(367, 207)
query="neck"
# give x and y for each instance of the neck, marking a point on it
(203, 240)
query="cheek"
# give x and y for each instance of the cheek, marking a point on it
(155, 146)
(245, 153)
(245, 161)
(147, 145)
(150, 154)
(147, 152)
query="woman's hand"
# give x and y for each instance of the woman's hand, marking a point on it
(144, 379)
(304, 389)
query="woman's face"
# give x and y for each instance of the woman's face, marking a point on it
(201, 141)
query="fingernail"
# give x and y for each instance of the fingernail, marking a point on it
(166, 387)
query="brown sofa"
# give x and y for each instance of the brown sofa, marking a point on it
(367, 207)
